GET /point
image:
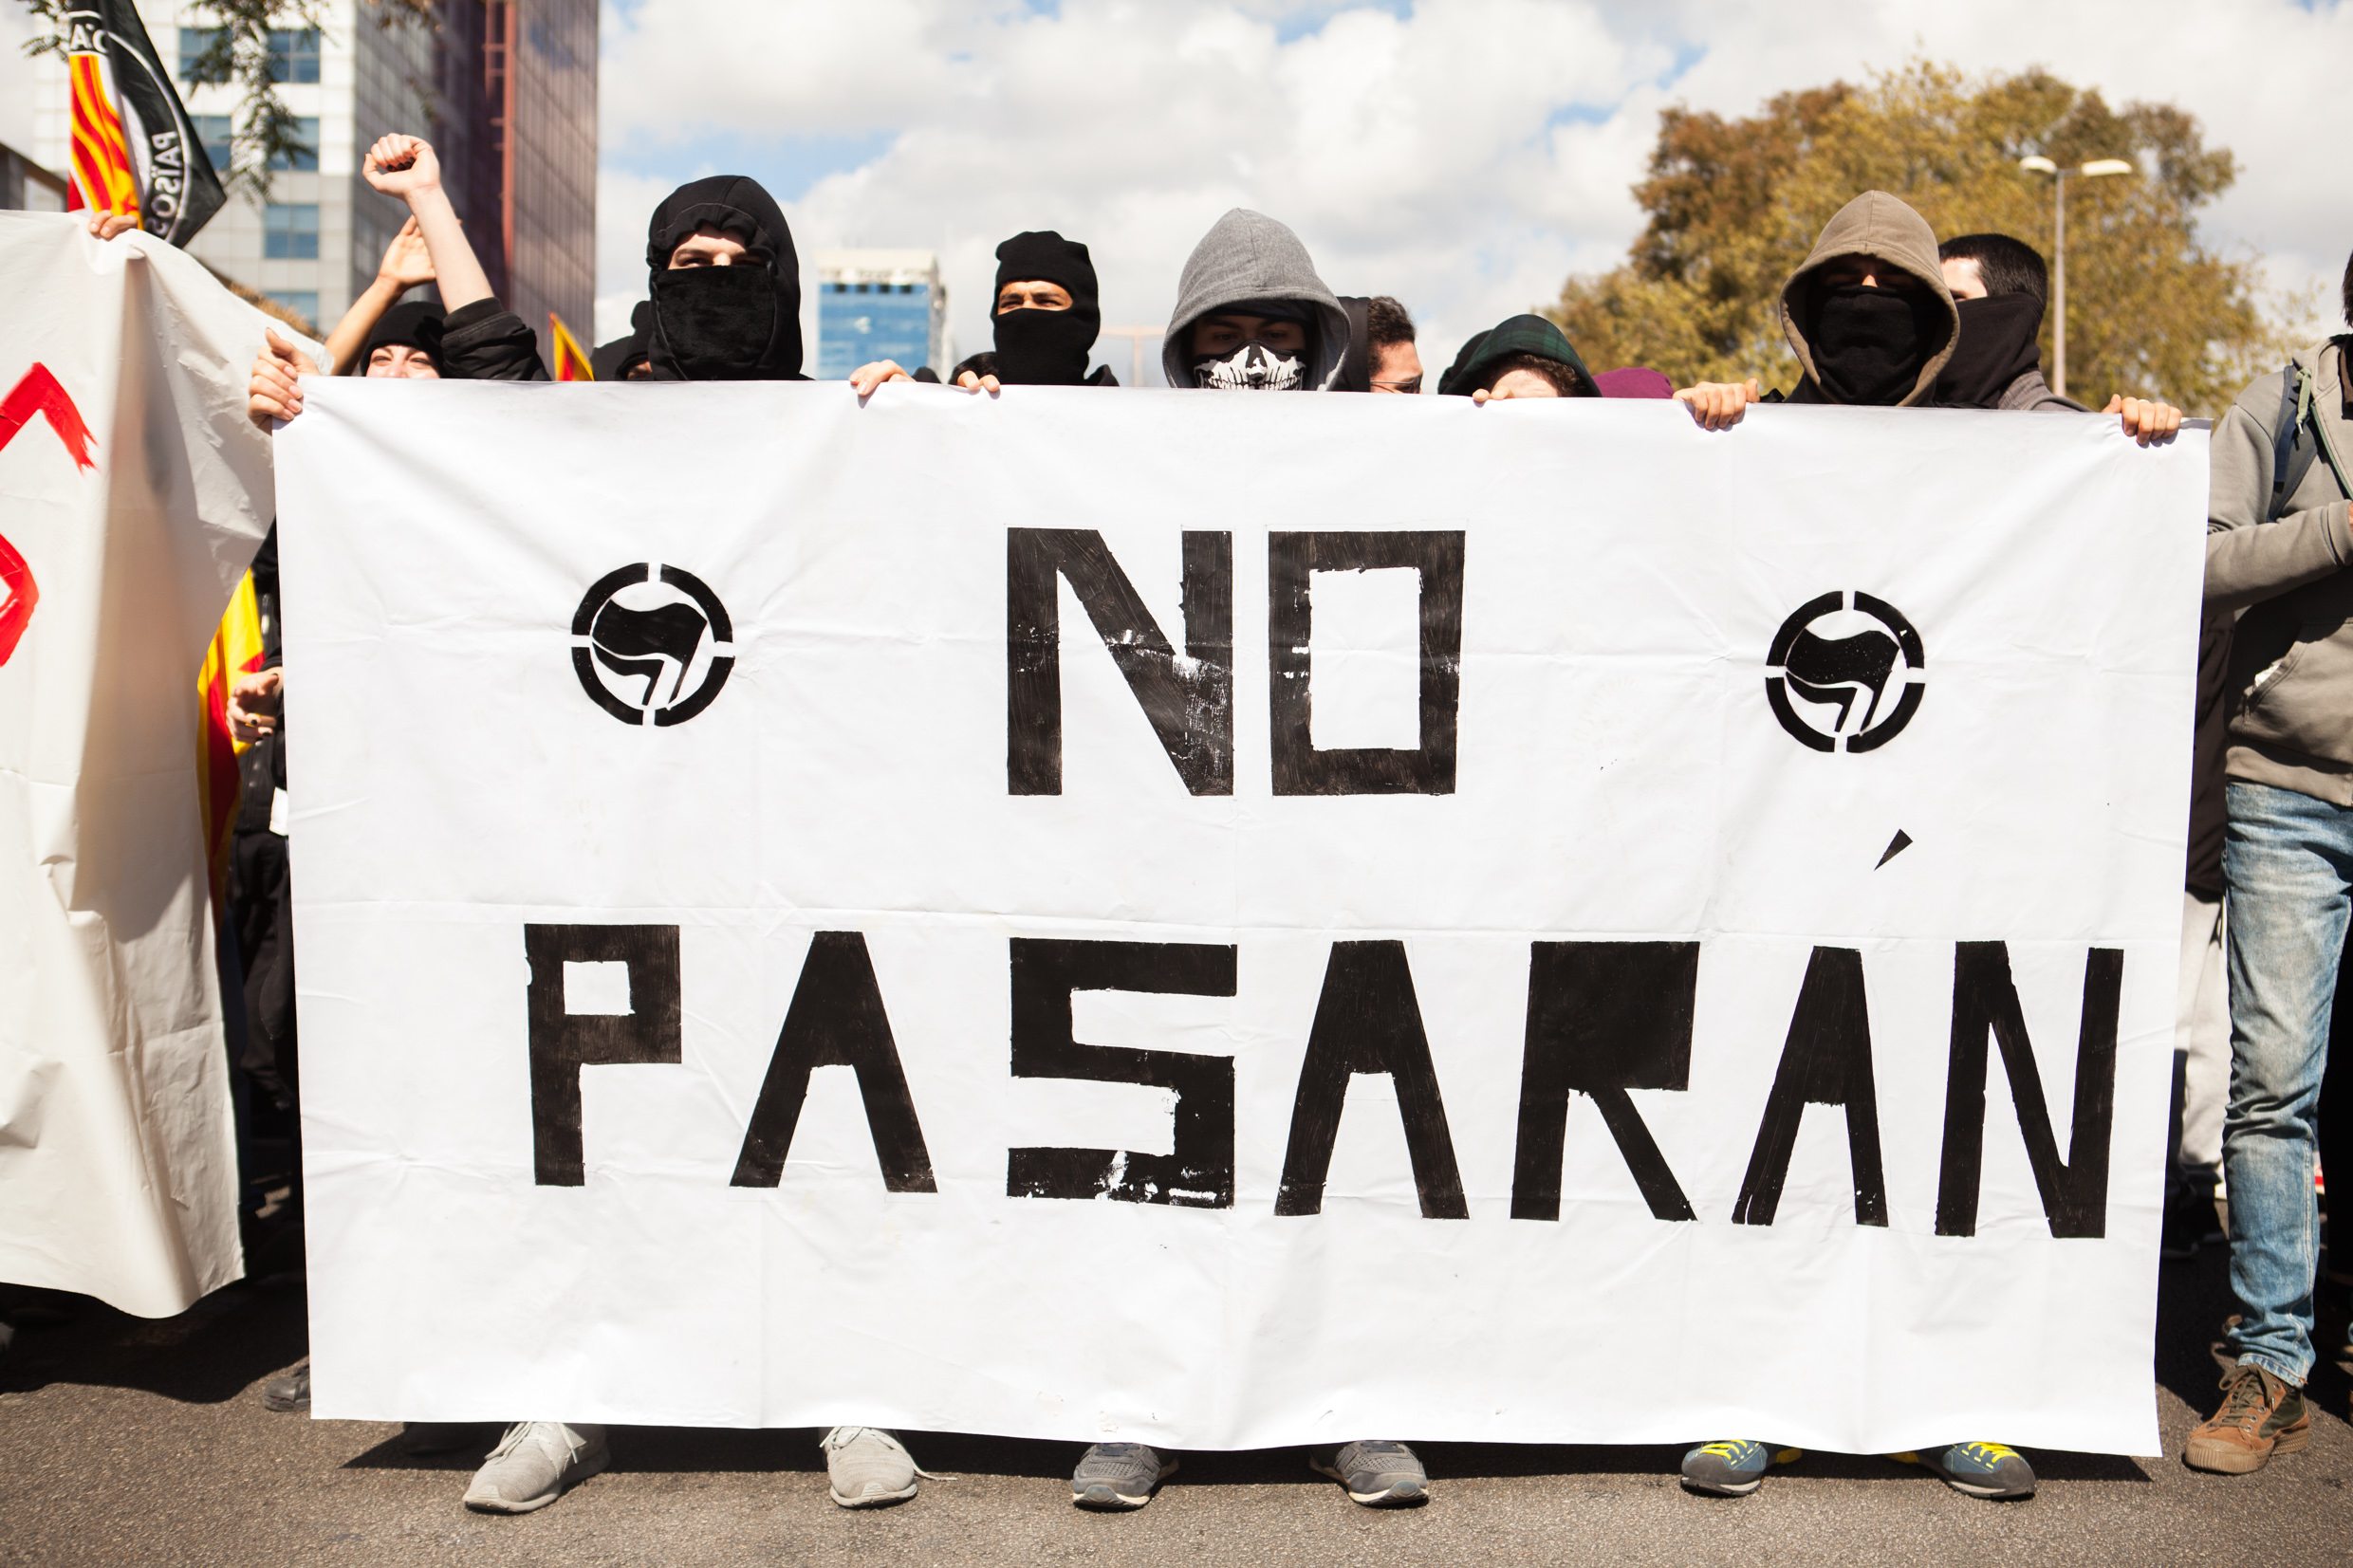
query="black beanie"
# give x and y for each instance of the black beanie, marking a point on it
(416, 324)
(1045, 348)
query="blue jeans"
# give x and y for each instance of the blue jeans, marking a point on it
(2288, 862)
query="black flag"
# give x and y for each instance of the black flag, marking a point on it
(133, 142)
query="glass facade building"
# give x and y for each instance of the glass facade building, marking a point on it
(880, 304)
(505, 91)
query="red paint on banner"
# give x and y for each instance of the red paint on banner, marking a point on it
(36, 391)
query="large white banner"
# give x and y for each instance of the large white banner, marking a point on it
(1230, 921)
(133, 491)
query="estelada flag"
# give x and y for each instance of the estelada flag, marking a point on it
(134, 149)
(235, 650)
(572, 363)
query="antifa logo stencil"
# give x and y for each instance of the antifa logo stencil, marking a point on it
(652, 646)
(1857, 665)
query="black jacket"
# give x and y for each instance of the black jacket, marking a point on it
(486, 342)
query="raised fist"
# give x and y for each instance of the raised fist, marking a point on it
(401, 165)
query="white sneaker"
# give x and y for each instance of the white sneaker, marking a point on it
(869, 1467)
(533, 1464)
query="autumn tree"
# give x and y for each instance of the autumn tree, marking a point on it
(1734, 206)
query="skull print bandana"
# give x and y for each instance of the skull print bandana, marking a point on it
(1252, 367)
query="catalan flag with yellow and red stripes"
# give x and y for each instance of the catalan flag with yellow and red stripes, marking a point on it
(134, 149)
(235, 650)
(571, 360)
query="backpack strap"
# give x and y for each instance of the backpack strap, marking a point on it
(2294, 446)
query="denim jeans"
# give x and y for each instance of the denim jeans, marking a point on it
(2288, 861)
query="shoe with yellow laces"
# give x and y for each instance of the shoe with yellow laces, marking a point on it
(1981, 1470)
(1735, 1468)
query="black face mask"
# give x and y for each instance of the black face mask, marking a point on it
(718, 321)
(1870, 344)
(1996, 347)
(1044, 348)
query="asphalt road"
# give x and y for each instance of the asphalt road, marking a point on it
(129, 1442)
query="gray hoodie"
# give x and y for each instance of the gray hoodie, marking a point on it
(1248, 257)
(2290, 685)
(1874, 224)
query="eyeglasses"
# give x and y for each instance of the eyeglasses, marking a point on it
(1410, 385)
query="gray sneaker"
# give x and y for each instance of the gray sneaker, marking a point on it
(291, 1392)
(533, 1464)
(1379, 1475)
(1120, 1475)
(869, 1467)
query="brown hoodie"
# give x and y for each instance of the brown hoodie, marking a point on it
(1874, 224)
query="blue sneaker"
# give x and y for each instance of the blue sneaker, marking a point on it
(1981, 1470)
(1733, 1468)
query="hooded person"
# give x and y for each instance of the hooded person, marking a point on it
(624, 358)
(724, 282)
(1046, 314)
(1253, 315)
(1867, 314)
(1524, 357)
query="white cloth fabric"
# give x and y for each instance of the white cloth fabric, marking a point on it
(477, 776)
(117, 1166)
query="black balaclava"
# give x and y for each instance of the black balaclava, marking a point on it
(1996, 347)
(724, 324)
(612, 361)
(1869, 344)
(1045, 348)
(416, 324)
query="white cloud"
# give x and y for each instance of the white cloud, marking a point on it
(1463, 154)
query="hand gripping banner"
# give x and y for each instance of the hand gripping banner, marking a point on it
(1225, 921)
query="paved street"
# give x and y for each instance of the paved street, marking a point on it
(123, 1441)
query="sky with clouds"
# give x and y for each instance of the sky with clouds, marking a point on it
(1462, 155)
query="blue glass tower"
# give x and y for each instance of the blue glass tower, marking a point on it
(878, 304)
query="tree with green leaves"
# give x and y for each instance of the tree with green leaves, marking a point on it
(239, 53)
(1734, 206)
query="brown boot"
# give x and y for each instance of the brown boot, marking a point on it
(2261, 1415)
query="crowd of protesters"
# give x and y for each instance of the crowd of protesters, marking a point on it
(1878, 315)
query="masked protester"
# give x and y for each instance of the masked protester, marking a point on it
(624, 358)
(1998, 285)
(724, 284)
(1253, 315)
(1525, 357)
(1044, 316)
(1873, 323)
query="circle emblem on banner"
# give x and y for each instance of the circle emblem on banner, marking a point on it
(652, 645)
(1856, 665)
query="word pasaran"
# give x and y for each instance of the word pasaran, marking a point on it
(1603, 1018)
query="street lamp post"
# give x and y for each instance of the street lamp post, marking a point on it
(2094, 170)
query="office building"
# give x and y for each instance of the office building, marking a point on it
(880, 304)
(27, 187)
(505, 91)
